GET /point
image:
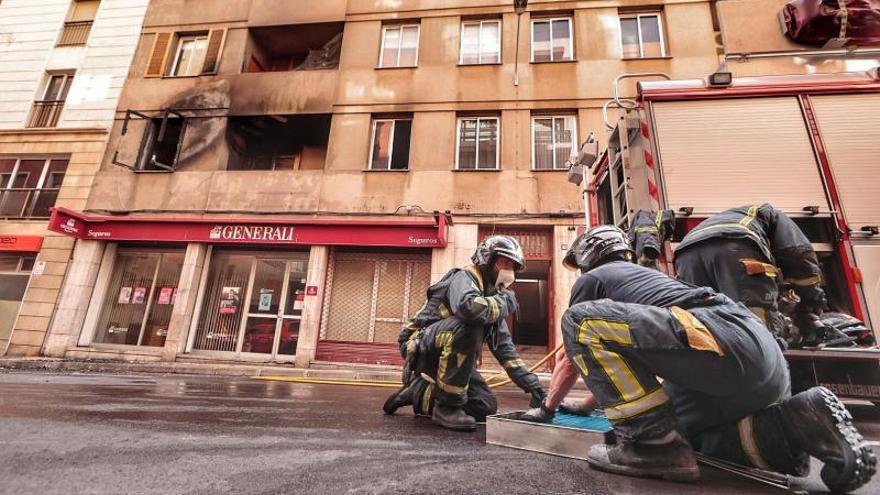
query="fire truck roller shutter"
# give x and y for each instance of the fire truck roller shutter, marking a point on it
(848, 124)
(723, 152)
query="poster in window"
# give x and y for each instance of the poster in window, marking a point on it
(139, 296)
(265, 303)
(298, 302)
(165, 294)
(124, 295)
(229, 300)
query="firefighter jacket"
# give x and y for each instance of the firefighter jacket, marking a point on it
(779, 239)
(461, 294)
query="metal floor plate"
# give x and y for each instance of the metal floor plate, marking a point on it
(567, 436)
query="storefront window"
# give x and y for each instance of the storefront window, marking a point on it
(14, 274)
(140, 298)
(253, 304)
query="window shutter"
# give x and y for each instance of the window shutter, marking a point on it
(212, 54)
(158, 55)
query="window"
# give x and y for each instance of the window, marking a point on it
(140, 298)
(641, 36)
(79, 23)
(552, 40)
(190, 55)
(160, 142)
(553, 139)
(185, 54)
(400, 46)
(390, 148)
(29, 186)
(477, 143)
(480, 42)
(47, 110)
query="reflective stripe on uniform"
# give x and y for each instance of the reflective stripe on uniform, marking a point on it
(514, 363)
(496, 309)
(638, 406)
(475, 272)
(593, 333)
(749, 443)
(750, 216)
(444, 311)
(760, 312)
(804, 282)
(658, 218)
(426, 399)
(698, 336)
(451, 389)
(580, 364)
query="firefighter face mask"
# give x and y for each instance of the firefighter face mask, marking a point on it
(505, 279)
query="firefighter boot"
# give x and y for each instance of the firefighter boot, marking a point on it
(817, 422)
(673, 460)
(453, 418)
(402, 397)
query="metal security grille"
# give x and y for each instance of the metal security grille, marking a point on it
(536, 243)
(370, 296)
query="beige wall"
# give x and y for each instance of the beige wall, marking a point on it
(84, 149)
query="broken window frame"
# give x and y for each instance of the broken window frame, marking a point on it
(140, 161)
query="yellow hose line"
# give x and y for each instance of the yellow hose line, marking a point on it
(330, 381)
(532, 369)
(382, 383)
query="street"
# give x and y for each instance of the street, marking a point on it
(92, 434)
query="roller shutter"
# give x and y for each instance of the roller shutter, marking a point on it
(717, 154)
(848, 124)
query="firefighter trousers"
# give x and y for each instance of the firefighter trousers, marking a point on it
(718, 386)
(481, 401)
(737, 269)
(448, 352)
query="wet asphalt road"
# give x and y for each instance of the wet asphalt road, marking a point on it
(112, 434)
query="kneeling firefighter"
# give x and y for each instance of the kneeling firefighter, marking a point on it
(747, 253)
(725, 390)
(442, 342)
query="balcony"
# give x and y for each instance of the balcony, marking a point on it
(27, 202)
(75, 33)
(45, 113)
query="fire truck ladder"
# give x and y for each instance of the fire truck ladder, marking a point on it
(630, 158)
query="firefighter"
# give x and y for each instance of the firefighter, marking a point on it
(725, 390)
(647, 233)
(747, 253)
(442, 342)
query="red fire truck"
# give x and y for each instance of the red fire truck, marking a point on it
(807, 144)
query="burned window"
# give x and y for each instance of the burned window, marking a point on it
(278, 142)
(161, 140)
(284, 48)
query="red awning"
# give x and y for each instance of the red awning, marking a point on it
(214, 230)
(26, 243)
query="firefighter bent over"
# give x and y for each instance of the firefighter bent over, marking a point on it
(747, 253)
(725, 390)
(442, 342)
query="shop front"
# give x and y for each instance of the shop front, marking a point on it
(248, 290)
(17, 258)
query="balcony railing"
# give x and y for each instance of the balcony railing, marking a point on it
(75, 33)
(27, 202)
(45, 113)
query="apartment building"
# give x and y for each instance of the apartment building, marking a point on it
(282, 183)
(62, 67)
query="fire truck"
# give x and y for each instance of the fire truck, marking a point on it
(807, 144)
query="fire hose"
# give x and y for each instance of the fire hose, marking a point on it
(390, 384)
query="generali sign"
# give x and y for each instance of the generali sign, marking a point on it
(251, 233)
(409, 233)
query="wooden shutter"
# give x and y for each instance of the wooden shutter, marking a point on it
(212, 54)
(159, 55)
(84, 10)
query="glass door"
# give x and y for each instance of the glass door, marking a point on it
(258, 296)
(264, 305)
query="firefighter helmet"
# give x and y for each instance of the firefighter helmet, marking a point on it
(595, 245)
(499, 245)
